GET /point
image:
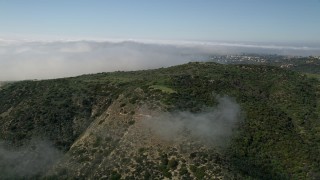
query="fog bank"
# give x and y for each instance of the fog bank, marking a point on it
(20, 60)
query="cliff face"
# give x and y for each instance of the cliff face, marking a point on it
(193, 121)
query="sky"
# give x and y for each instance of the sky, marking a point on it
(283, 21)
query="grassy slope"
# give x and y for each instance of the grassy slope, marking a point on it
(279, 137)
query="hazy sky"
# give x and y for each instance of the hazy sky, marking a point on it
(161, 32)
(222, 20)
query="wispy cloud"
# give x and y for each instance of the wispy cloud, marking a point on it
(213, 126)
(27, 161)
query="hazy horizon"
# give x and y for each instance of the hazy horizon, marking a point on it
(30, 59)
(54, 39)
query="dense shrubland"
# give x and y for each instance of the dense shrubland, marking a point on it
(278, 136)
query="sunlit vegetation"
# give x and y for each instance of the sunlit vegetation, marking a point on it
(278, 138)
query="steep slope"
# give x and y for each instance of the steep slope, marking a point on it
(120, 144)
(97, 121)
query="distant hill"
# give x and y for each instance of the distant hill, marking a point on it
(310, 65)
(2, 84)
(192, 121)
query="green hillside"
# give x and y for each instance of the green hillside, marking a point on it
(278, 136)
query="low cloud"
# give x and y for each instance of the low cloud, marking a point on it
(214, 126)
(21, 60)
(27, 161)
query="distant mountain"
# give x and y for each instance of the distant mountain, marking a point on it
(192, 121)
